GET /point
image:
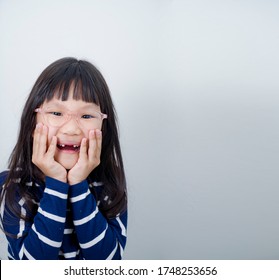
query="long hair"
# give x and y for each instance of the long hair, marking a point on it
(89, 86)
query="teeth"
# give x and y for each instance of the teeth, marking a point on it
(63, 146)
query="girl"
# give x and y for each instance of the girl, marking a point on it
(64, 196)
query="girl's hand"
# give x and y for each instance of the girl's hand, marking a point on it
(88, 158)
(43, 157)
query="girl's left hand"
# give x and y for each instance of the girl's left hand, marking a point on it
(89, 158)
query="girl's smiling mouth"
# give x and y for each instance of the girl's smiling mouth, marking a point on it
(71, 148)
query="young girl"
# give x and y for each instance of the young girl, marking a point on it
(64, 195)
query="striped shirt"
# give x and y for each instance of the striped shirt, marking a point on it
(67, 225)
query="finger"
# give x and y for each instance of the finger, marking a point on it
(36, 134)
(92, 144)
(52, 147)
(36, 138)
(42, 143)
(35, 141)
(99, 143)
(83, 149)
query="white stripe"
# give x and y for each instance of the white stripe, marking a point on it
(2, 206)
(123, 229)
(56, 193)
(21, 221)
(21, 202)
(68, 230)
(94, 241)
(46, 240)
(80, 197)
(29, 184)
(97, 184)
(23, 251)
(121, 250)
(70, 254)
(10, 252)
(113, 252)
(20, 253)
(28, 255)
(21, 225)
(52, 216)
(86, 219)
(10, 256)
(35, 202)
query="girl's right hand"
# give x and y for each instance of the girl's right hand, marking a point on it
(43, 157)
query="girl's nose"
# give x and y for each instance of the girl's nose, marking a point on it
(71, 127)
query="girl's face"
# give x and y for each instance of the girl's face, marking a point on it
(76, 126)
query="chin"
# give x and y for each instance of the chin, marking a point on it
(67, 163)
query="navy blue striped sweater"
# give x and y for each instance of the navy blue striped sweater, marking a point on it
(67, 225)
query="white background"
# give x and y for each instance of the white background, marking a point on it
(195, 84)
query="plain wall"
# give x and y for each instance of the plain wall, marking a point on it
(195, 84)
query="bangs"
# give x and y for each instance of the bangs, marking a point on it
(72, 79)
(80, 90)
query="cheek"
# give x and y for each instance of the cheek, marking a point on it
(39, 118)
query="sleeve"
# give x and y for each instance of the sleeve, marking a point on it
(41, 238)
(98, 237)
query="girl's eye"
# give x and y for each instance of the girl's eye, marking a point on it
(56, 114)
(88, 117)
